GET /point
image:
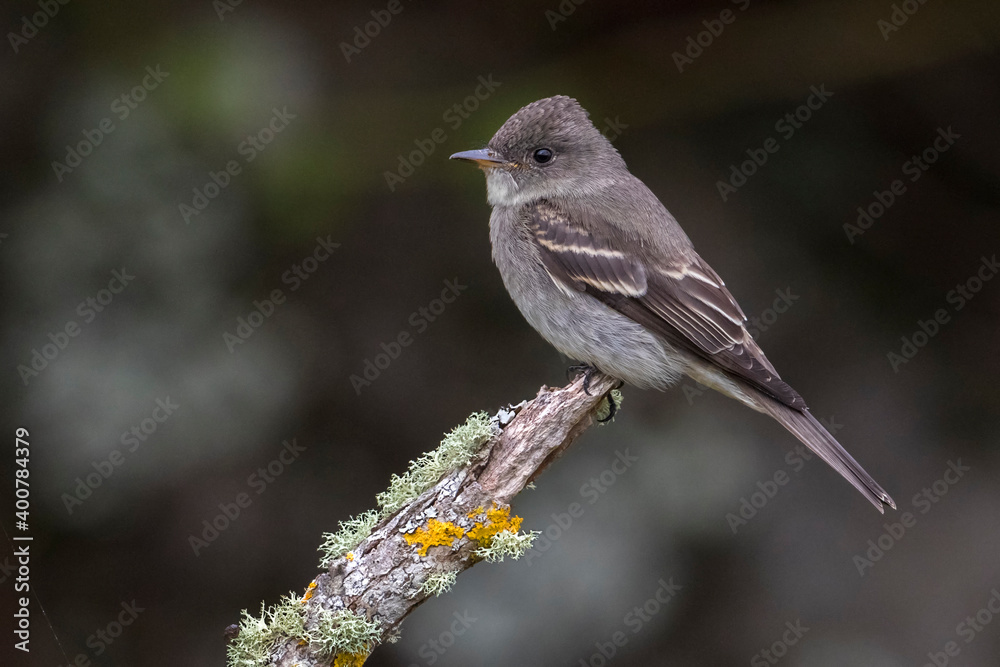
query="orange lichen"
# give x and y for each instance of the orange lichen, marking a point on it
(349, 659)
(437, 533)
(498, 519)
(349, 555)
(309, 592)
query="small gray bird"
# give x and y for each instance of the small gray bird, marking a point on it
(599, 267)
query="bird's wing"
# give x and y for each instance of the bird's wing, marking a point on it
(685, 301)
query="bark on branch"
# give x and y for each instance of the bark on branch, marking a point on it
(383, 578)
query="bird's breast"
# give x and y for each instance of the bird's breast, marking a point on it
(575, 323)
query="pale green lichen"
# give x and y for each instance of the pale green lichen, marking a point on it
(257, 636)
(342, 631)
(348, 536)
(438, 583)
(456, 450)
(345, 634)
(507, 544)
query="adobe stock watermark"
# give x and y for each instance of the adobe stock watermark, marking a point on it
(121, 107)
(634, 621)
(363, 35)
(695, 45)
(783, 300)
(613, 128)
(432, 650)
(7, 569)
(756, 325)
(258, 482)
(223, 7)
(102, 638)
(249, 149)
(561, 13)
(968, 629)
(88, 309)
(131, 440)
(786, 126)
(914, 168)
(294, 277)
(454, 116)
(419, 320)
(765, 490)
(957, 298)
(900, 14)
(591, 491)
(922, 501)
(22, 584)
(31, 25)
(773, 654)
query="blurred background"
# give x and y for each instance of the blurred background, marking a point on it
(214, 214)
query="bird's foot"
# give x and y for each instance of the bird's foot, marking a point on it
(612, 406)
(588, 372)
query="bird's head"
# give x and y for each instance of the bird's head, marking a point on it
(547, 149)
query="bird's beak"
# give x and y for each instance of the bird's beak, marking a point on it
(483, 157)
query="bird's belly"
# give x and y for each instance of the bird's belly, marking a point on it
(583, 328)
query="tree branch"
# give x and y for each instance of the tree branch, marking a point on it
(449, 527)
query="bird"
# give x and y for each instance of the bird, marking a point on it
(600, 268)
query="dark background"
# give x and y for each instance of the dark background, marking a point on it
(324, 176)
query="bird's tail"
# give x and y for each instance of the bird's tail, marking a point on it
(814, 435)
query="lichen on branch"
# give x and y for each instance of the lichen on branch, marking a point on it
(449, 511)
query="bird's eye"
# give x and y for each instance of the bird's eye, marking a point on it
(542, 155)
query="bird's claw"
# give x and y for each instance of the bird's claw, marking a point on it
(612, 407)
(587, 370)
